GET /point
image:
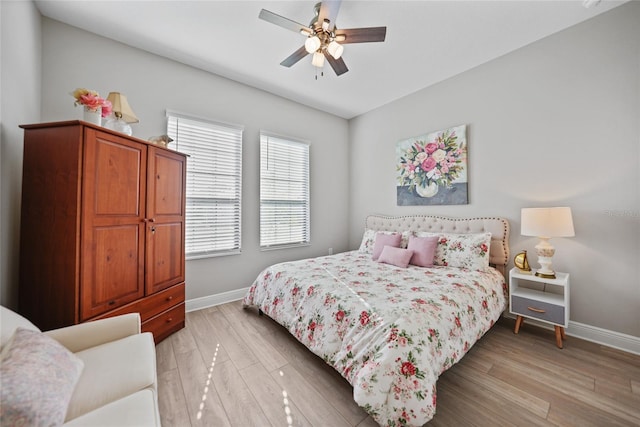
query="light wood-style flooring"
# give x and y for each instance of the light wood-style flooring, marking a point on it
(231, 367)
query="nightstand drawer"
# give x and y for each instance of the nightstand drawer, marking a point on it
(537, 309)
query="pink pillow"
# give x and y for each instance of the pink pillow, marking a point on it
(383, 240)
(395, 256)
(424, 250)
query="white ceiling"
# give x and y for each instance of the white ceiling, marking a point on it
(427, 41)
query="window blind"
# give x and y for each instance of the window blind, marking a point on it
(284, 192)
(214, 184)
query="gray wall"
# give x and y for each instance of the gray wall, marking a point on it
(553, 124)
(74, 58)
(19, 103)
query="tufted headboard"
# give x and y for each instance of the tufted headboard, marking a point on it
(498, 227)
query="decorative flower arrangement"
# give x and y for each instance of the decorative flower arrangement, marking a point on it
(92, 101)
(439, 161)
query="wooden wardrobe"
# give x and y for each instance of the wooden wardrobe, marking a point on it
(102, 228)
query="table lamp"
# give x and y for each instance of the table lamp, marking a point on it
(122, 112)
(546, 223)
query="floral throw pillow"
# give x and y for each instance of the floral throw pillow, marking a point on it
(369, 240)
(469, 251)
(38, 378)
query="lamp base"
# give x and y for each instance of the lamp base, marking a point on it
(119, 125)
(546, 275)
(545, 252)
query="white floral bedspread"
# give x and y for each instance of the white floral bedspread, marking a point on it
(389, 331)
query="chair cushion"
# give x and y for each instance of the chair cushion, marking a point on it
(113, 371)
(139, 409)
(38, 376)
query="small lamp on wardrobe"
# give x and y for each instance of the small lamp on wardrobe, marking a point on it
(122, 114)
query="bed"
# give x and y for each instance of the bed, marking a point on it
(390, 330)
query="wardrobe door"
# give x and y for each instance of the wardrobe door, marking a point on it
(113, 223)
(166, 176)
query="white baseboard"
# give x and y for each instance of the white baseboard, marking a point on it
(613, 339)
(605, 337)
(594, 334)
(213, 300)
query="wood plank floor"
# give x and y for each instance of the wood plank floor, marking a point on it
(231, 367)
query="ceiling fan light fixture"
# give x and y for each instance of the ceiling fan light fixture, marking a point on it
(318, 59)
(335, 49)
(312, 44)
(323, 39)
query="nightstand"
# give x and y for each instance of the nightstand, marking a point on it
(546, 300)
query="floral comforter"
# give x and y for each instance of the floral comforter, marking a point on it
(389, 331)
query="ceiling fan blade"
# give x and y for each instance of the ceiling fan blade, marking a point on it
(329, 10)
(338, 65)
(361, 35)
(283, 22)
(295, 57)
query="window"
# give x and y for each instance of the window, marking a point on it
(284, 192)
(214, 172)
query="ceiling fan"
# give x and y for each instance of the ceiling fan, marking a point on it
(324, 39)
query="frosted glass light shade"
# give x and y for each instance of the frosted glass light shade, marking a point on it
(318, 59)
(335, 49)
(312, 44)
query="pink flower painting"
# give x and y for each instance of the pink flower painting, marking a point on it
(432, 168)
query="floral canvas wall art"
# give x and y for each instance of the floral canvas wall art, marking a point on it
(432, 168)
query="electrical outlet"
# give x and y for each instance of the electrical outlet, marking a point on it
(330, 251)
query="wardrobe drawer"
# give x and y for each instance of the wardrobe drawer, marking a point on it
(152, 305)
(161, 301)
(164, 324)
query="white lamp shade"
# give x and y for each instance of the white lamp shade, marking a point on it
(318, 59)
(312, 44)
(546, 222)
(335, 49)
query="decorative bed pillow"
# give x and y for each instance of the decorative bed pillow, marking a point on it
(463, 250)
(384, 239)
(369, 239)
(38, 378)
(424, 249)
(395, 256)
